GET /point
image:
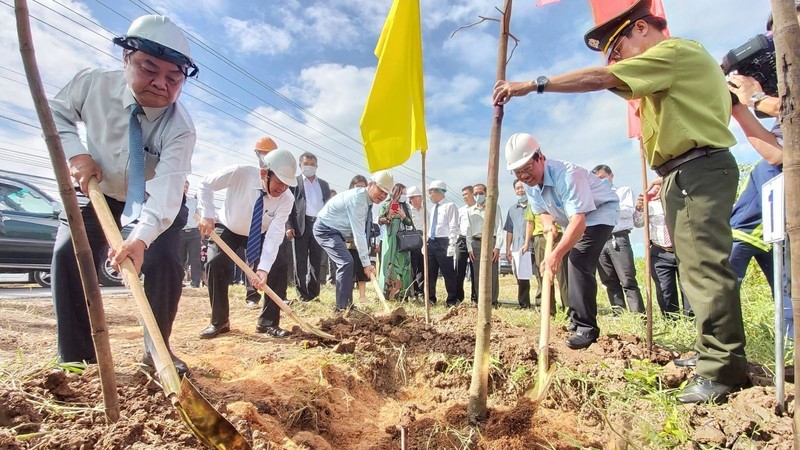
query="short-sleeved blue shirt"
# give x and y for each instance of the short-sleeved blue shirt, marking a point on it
(569, 189)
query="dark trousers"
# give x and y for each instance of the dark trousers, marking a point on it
(280, 268)
(461, 263)
(664, 271)
(277, 281)
(417, 272)
(220, 269)
(190, 253)
(332, 241)
(163, 281)
(582, 283)
(524, 286)
(618, 273)
(742, 253)
(439, 261)
(308, 262)
(698, 199)
(476, 251)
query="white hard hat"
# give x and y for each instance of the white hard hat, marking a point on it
(437, 184)
(281, 163)
(160, 37)
(413, 191)
(384, 180)
(519, 149)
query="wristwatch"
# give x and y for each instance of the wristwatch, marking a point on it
(757, 97)
(541, 82)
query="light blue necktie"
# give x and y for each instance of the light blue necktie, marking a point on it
(432, 234)
(135, 196)
(254, 237)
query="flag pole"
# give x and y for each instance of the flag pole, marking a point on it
(425, 243)
(648, 284)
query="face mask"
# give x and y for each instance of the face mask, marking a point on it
(606, 182)
(480, 198)
(402, 199)
(522, 198)
(308, 171)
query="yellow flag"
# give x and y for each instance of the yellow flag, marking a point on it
(393, 122)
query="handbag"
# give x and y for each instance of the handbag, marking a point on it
(409, 240)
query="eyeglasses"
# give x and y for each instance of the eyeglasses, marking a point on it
(614, 55)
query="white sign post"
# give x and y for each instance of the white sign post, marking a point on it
(773, 220)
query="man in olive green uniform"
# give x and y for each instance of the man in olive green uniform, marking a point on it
(685, 109)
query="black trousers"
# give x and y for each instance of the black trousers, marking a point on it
(618, 273)
(524, 286)
(417, 272)
(190, 252)
(219, 268)
(162, 270)
(582, 283)
(462, 262)
(439, 261)
(308, 263)
(277, 281)
(664, 271)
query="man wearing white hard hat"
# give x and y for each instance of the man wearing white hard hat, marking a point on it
(585, 207)
(417, 263)
(442, 236)
(139, 143)
(253, 215)
(349, 216)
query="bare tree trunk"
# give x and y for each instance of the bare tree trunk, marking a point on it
(425, 243)
(648, 291)
(787, 55)
(478, 390)
(83, 253)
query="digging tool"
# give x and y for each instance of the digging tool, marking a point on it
(267, 290)
(205, 422)
(379, 291)
(545, 372)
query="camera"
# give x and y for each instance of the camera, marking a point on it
(755, 58)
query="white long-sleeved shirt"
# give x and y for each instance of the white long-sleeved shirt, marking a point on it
(313, 192)
(462, 220)
(416, 217)
(243, 184)
(475, 226)
(446, 224)
(627, 205)
(659, 234)
(347, 213)
(102, 100)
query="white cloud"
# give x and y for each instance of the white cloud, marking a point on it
(251, 36)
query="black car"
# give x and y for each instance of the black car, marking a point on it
(28, 226)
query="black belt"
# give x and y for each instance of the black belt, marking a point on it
(311, 219)
(664, 169)
(621, 233)
(666, 249)
(438, 239)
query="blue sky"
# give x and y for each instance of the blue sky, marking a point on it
(301, 70)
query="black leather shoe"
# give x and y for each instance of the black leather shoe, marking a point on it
(580, 340)
(273, 331)
(702, 390)
(213, 331)
(687, 362)
(180, 366)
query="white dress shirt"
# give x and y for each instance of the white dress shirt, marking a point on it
(446, 224)
(102, 100)
(313, 192)
(659, 234)
(475, 226)
(627, 205)
(462, 220)
(191, 205)
(243, 184)
(416, 217)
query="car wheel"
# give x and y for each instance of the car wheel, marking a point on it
(42, 277)
(107, 276)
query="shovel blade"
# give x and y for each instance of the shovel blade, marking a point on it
(205, 422)
(539, 390)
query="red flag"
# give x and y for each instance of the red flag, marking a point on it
(604, 10)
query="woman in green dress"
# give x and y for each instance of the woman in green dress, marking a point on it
(394, 215)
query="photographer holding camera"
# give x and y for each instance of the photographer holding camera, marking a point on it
(746, 221)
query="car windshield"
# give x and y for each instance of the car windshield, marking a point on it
(15, 198)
